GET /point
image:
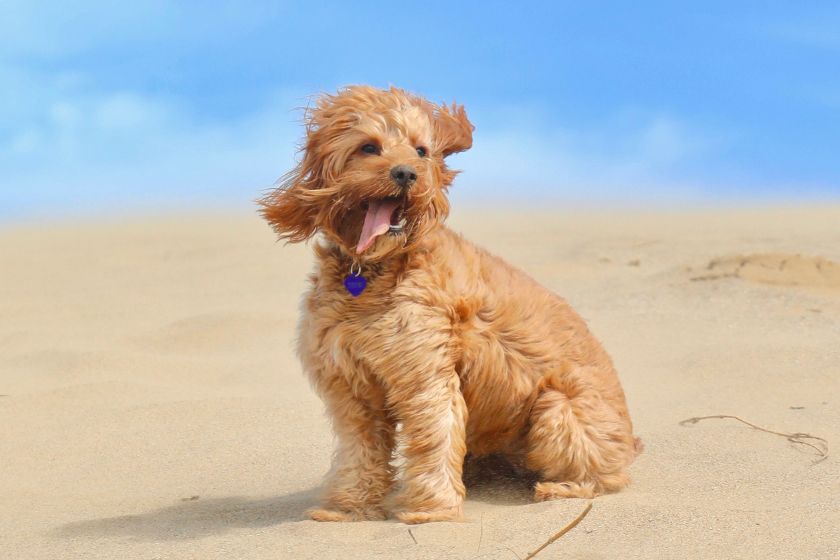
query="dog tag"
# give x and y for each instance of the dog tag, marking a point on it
(355, 284)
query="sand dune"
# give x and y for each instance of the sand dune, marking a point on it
(152, 406)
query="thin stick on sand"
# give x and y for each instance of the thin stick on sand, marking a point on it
(562, 531)
(821, 445)
(480, 535)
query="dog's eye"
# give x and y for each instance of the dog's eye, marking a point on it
(421, 151)
(370, 149)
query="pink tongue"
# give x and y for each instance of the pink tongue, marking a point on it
(377, 222)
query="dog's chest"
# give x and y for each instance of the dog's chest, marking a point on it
(351, 337)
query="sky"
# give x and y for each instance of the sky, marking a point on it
(124, 106)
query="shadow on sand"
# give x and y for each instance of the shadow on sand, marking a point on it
(494, 480)
(197, 518)
(490, 480)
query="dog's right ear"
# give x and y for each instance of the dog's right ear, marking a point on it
(292, 208)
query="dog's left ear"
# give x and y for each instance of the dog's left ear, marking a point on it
(453, 130)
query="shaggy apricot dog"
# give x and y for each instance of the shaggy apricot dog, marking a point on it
(422, 344)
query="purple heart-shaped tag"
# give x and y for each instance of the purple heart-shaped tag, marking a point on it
(355, 284)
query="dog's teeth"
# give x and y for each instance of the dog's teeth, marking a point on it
(399, 227)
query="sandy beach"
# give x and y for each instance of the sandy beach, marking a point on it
(152, 406)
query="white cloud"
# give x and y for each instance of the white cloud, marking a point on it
(126, 149)
(613, 159)
(71, 147)
(85, 150)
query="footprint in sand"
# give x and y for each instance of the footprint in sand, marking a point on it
(775, 268)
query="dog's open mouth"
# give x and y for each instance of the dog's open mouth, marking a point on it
(383, 215)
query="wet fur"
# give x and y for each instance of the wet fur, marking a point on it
(450, 349)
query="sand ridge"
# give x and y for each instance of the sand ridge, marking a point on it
(776, 268)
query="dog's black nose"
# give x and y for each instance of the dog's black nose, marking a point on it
(403, 175)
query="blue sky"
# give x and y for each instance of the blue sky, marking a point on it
(110, 105)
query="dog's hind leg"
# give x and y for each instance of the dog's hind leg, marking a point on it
(361, 474)
(578, 443)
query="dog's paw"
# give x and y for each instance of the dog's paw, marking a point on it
(545, 491)
(320, 514)
(323, 514)
(448, 514)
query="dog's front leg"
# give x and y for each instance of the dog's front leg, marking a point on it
(361, 474)
(433, 416)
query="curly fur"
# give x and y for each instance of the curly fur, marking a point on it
(450, 349)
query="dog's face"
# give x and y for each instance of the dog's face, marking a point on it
(372, 178)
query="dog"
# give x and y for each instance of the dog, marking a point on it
(423, 345)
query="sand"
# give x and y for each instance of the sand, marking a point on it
(152, 406)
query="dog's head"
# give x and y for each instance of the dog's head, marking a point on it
(372, 177)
